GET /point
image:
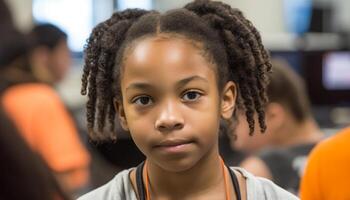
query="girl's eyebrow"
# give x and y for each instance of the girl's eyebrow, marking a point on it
(185, 81)
(140, 86)
(179, 84)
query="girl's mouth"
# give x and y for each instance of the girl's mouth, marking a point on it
(174, 146)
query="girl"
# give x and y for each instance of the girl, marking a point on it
(172, 79)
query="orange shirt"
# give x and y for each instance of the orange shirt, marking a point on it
(327, 174)
(44, 122)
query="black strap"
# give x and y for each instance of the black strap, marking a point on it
(139, 181)
(235, 183)
(141, 188)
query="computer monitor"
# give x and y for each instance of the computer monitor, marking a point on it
(336, 71)
(327, 77)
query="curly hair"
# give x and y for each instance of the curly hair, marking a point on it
(226, 37)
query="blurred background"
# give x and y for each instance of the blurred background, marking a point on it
(312, 36)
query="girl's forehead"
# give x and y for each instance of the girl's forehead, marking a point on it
(173, 49)
(165, 49)
(168, 38)
(166, 57)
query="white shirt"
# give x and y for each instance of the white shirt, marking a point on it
(120, 188)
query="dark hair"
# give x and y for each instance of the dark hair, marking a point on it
(13, 43)
(227, 39)
(13, 50)
(24, 175)
(5, 15)
(287, 88)
(47, 35)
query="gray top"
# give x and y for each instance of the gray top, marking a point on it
(120, 188)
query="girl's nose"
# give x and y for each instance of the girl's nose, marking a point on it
(170, 118)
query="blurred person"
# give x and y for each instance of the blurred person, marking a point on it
(327, 172)
(49, 54)
(280, 153)
(38, 112)
(50, 60)
(21, 167)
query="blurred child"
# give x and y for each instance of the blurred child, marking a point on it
(49, 54)
(38, 113)
(280, 154)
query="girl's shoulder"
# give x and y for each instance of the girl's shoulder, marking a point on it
(119, 187)
(262, 188)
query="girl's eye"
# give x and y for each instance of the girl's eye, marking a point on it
(191, 96)
(143, 101)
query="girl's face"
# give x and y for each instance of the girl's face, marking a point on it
(171, 103)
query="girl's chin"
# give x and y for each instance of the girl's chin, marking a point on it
(177, 165)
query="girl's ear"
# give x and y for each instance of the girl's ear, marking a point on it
(118, 105)
(228, 100)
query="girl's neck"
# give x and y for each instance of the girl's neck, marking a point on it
(205, 176)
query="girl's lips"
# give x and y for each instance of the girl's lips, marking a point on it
(173, 142)
(174, 146)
